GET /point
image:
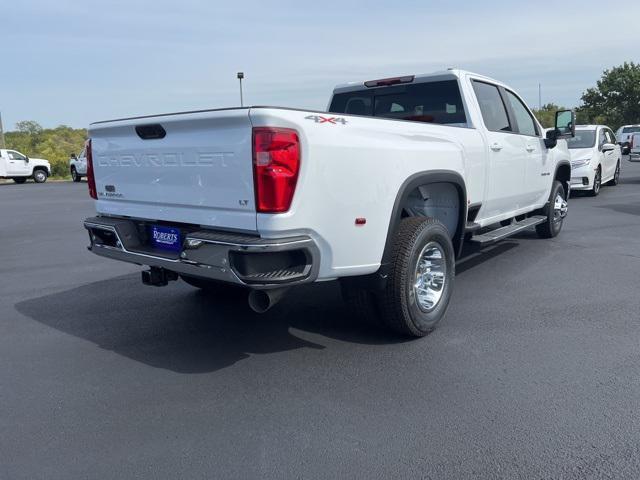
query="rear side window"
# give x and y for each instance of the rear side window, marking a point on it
(492, 107)
(526, 124)
(431, 102)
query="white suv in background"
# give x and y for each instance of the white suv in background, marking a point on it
(595, 158)
(78, 165)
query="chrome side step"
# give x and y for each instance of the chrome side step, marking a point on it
(504, 232)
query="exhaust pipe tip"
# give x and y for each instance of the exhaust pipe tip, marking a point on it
(262, 300)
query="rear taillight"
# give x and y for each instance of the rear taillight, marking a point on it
(91, 179)
(631, 141)
(276, 163)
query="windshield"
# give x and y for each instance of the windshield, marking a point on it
(583, 139)
(431, 102)
(631, 130)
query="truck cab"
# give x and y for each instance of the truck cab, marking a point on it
(20, 167)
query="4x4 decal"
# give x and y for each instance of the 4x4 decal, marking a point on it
(321, 119)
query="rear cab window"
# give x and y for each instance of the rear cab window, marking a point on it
(438, 102)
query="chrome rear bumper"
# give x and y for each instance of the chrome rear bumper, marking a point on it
(222, 256)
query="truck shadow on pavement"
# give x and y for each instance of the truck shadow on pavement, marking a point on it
(186, 330)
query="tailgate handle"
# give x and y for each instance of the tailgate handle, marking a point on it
(151, 132)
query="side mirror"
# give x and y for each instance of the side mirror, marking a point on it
(26, 159)
(73, 156)
(565, 126)
(551, 139)
(608, 147)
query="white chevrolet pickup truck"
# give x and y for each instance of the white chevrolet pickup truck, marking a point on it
(379, 192)
(19, 167)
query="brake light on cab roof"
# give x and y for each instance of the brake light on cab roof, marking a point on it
(385, 82)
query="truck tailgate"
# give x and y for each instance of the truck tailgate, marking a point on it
(200, 172)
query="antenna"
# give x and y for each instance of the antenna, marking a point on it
(2, 144)
(539, 96)
(240, 77)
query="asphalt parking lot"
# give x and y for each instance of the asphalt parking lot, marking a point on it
(534, 373)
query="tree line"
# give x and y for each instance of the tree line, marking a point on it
(53, 144)
(613, 101)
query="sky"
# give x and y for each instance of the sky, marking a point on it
(68, 62)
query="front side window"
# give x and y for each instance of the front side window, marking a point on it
(13, 155)
(610, 136)
(437, 102)
(492, 107)
(526, 124)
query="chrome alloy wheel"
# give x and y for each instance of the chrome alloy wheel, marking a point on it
(430, 276)
(39, 176)
(559, 208)
(597, 181)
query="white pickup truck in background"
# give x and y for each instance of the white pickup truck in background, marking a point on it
(78, 165)
(634, 147)
(380, 192)
(623, 135)
(19, 167)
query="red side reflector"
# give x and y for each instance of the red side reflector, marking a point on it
(276, 163)
(385, 82)
(91, 179)
(361, 221)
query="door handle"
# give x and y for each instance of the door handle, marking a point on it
(531, 148)
(496, 147)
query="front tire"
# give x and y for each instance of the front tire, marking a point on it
(597, 183)
(40, 176)
(556, 211)
(74, 175)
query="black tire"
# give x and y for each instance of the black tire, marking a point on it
(40, 176)
(399, 307)
(211, 286)
(74, 175)
(597, 183)
(616, 176)
(555, 218)
(20, 180)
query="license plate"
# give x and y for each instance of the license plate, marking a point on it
(166, 238)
